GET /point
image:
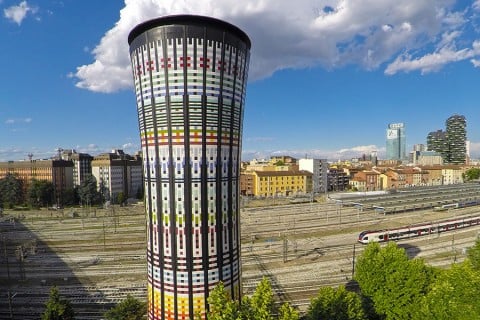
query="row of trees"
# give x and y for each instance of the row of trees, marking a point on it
(400, 288)
(58, 308)
(391, 287)
(41, 193)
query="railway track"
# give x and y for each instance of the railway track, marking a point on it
(300, 248)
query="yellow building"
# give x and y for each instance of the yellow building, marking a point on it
(58, 172)
(277, 183)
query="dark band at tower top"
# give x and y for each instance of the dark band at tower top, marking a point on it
(190, 20)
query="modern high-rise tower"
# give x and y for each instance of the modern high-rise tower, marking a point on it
(437, 141)
(456, 127)
(451, 143)
(190, 77)
(396, 142)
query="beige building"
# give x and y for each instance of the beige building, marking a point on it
(117, 172)
(452, 174)
(446, 174)
(58, 172)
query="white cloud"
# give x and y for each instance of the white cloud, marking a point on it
(475, 62)
(17, 121)
(13, 153)
(130, 148)
(454, 19)
(434, 61)
(293, 34)
(18, 13)
(94, 149)
(476, 5)
(359, 149)
(343, 154)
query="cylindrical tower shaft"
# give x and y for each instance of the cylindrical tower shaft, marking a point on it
(190, 78)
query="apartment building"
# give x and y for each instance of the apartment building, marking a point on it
(278, 183)
(247, 184)
(319, 170)
(338, 180)
(366, 180)
(117, 172)
(82, 165)
(58, 172)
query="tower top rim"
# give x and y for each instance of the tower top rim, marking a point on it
(187, 19)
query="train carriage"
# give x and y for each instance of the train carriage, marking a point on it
(417, 230)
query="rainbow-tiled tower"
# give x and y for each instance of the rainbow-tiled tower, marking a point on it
(190, 77)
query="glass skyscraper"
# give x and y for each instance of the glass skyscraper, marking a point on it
(396, 142)
(190, 76)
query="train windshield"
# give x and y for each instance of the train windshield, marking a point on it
(360, 236)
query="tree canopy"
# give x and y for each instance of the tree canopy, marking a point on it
(40, 193)
(336, 304)
(472, 174)
(394, 283)
(128, 309)
(454, 295)
(11, 190)
(87, 191)
(259, 306)
(57, 308)
(474, 255)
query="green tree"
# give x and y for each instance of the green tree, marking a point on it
(40, 193)
(474, 255)
(471, 174)
(260, 306)
(454, 295)
(222, 307)
(70, 197)
(121, 198)
(128, 309)
(262, 300)
(11, 190)
(87, 191)
(287, 312)
(57, 308)
(336, 304)
(391, 281)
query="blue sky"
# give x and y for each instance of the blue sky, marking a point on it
(326, 76)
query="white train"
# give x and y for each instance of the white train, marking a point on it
(417, 230)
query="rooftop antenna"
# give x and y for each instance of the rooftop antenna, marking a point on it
(30, 156)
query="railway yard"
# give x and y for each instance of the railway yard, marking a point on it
(97, 256)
